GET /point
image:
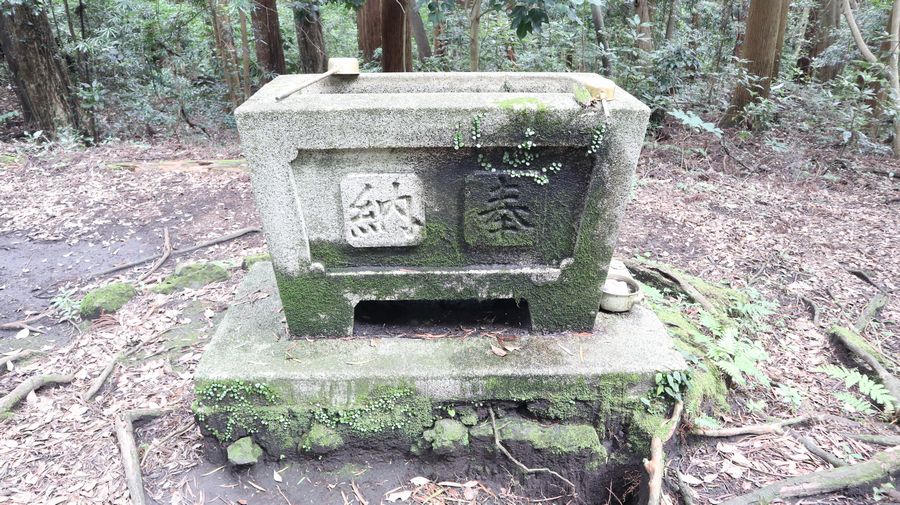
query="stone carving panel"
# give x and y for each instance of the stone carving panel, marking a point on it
(383, 210)
(499, 211)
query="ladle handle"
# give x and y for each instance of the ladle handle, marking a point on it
(308, 83)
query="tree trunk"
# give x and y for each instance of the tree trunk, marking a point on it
(779, 44)
(227, 54)
(396, 51)
(245, 55)
(761, 41)
(645, 31)
(368, 28)
(440, 43)
(828, 22)
(600, 31)
(310, 40)
(267, 37)
(474, 35)
(673, 17)
(418, 29)
(39, 75)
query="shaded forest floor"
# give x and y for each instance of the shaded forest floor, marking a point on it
(792, 228)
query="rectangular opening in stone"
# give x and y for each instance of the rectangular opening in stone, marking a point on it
(440, 317)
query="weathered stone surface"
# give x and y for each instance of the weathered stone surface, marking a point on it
(106, 299)
(383, 210)
(244, 452)
(192, 275)
(447, 436)
(321, 439)
(556, 439)
(448, 131)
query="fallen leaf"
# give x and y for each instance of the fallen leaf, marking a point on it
(276, 476)
(23, 333)
(710, 477)
(739, 459)
(693, 481)
(399, 496)
(498, 351)
(733, 470)
(512, 348)
(419, 481)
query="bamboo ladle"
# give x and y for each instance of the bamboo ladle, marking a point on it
(336, 66)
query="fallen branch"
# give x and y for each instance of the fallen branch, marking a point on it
(22, 324)
(130, 459)
(891, 383)
(813, 309)
(735, 158)
(822, 454)
(176, 252)
(28, 385)
(665, 276)
(873, 308)
(167, 251)
(101, 379)
(6, 360)
(656, 465)
(687, 495)
(753, 429)
(882, 466)
(889, 440)
(519, 463)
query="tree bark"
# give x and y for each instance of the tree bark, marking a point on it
(440, 43)
(645, 32)
(820, 32)
(779, 44)
(474, 35)
(39, 74)
(368, 28)
(600, 31)
(267, 37)
(396, 55)
(673, 17)
(310, 40)
(227, 54)
(761, 41)
(418, 29)
(245, 56)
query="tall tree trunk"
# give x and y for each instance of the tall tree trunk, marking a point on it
(763, 24)
(267, 37)
(474, 35)
(245, 55)
(673, 17)
(396, 51)
(440, 43)
(39, 73)
(227, 54)
(824, 21)
(600, 32)
(368, 28)
(779, 44)
(418, 29)
(645, 31)
(310, 40)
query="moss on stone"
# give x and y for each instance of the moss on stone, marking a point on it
(106, 299)
(244, 452)
(192, 275)
(249, 261)
(642, 428)
(384, 409)
(556, 439)
(468, 416)
(321, 439)
(520, 103)
(448, 435)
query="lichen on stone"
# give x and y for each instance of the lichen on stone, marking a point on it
(321, 439)
(106, 299)
(448, 435)
(192, 275)
(244, 451)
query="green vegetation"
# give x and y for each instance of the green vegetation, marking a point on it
(104, 300)
(193, 276)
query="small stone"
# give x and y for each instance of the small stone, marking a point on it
(192, 275)
(321, 439)
(244, 452)
(468, 416)
(447, 436)
(106, 299)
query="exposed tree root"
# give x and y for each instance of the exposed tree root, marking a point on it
(518, 463)
(167, 251)
(101, 379)
(822, 454)
(656, 465)
(665, 276)
(753, 429)
(889, 440)
(891, 383)
(687, 495)
(873, 308)
(11, 358)
(28, 385)
(813, 309)
(130, 458)
(23, 323)
(882, 466)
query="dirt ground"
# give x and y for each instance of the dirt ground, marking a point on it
(792, 229)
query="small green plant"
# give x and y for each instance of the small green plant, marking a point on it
(6, 116)
(866, 386)
(790, 395)
(696, 123)
(65, 304)
(669, 386)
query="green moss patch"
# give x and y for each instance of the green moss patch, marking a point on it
(321, 439)
(244, 452)
(448, 435)
(106, 299)
(555, 439)
(192, 275)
